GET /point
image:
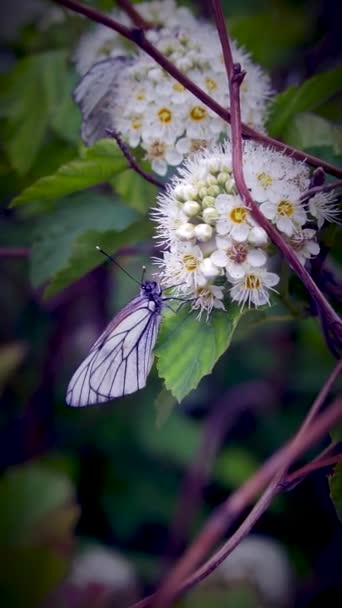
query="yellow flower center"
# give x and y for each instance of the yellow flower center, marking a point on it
(198, 113)
(265, 179)
(164, 115)
(238, 215)
(178, 87)
(140, 95)
(136, 122)
(285, 208)
(190, 262)
(211, 84)
(252, 282)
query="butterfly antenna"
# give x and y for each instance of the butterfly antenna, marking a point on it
(117, 264)
(143, 274)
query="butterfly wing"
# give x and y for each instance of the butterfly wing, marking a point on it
(95, 96)
(120, 360)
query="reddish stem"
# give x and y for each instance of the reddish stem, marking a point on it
(329, 317)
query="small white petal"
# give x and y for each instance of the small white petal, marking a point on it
(219, 258)
(256, 258)
(209, 270)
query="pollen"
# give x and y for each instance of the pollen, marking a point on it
(285, 208)
(252, 282)
(190, 262)
(140, 95)
(211, 84)
(197, 144)
(156, 150)
(136, 122)
(198, 113)
(265, 179)
(164, 115)
(178, 87)
(238, 215)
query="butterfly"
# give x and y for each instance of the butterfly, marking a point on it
(95, 96)
(120, 360)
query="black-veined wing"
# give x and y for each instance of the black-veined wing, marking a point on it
(95, 96)
(120, 360)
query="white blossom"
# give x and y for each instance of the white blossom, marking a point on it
(254, 287)
(153, 110)
(323, 208)
(209, 237)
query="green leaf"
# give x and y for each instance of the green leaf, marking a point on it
(305, 97)
(277, 42)
(188, 349)
(234, 465)
(32, 94)
(135, 190)
(28, 574)
(65, 239)
(96, 165)
(335, 485)
(308, 130)
(28, 494)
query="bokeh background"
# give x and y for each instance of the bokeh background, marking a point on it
(95, 504)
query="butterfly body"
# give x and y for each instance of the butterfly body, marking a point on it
(120, 360)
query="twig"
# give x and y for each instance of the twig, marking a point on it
(134, 15)
(240, 499)
(331, 322)
(14, 252)
(323, 188)
(137, 36)
(132, 162)
(225, 515)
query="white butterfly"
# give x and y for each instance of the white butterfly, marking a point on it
(120, 360)
(95, 96)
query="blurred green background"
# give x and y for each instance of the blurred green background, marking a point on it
(96, 503)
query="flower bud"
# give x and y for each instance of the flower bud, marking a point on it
(257, 236)
(209, 269)
(203, 191)
(230, 185)
(210, 215)
(208, 201)
(222, 177)
(213, 190)
(211, 180)
(203, 232)
(190, 193)
(191, 208)
(186, 231)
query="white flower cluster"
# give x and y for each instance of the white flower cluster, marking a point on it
(149, 107)
(155, 111)
(211, 242)
(101, 43)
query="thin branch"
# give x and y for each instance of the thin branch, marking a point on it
(14, 252)
(132, 162)
(323, 188)
(226, 514)
(137, 36)
(330, 320)
(133, 14)
(315, 465)
(242, 497)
